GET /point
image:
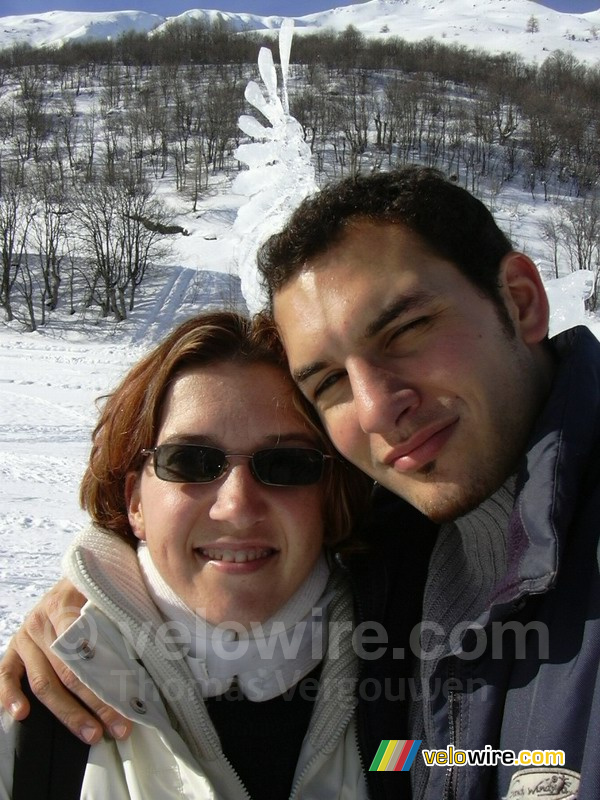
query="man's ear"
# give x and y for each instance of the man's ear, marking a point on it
(525, 297)
(133, 499)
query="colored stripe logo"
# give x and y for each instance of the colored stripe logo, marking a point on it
(395, 755)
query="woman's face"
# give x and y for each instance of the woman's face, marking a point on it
(234, 549)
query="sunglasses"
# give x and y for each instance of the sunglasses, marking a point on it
(276, 466)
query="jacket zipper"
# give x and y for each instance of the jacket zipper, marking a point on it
(453, 716)
(360, 724)
(213, 736)
(360, 753)
(308, 766)
(205, 722)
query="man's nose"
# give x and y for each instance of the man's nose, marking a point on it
(381, 397)
(240, 498)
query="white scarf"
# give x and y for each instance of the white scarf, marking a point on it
(265, 661)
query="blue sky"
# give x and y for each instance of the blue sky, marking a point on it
(264, 7)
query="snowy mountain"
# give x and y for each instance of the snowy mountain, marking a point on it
(492, 25)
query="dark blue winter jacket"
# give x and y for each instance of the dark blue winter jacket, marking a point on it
(535, 684)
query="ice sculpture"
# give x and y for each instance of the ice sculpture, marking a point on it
(280, 170)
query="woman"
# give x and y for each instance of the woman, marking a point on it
(216, 501)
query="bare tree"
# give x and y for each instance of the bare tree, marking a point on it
(200, 172)
(97, 246)
(32, 101)
(552, 234)
(119, 229)
(16, 213)
(221, 107)
(49, 233)
(142, 228)
(356, 110)
(581, 230)
(90, 139)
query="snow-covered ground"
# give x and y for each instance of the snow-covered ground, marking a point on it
(50, 379)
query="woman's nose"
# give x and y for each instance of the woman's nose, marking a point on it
(240, 498)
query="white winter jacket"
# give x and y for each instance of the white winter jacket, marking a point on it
(120, 648)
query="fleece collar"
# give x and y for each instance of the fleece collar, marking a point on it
(265, 661)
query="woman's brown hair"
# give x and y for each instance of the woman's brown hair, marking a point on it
(130, 419)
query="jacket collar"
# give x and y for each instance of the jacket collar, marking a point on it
(553, 470)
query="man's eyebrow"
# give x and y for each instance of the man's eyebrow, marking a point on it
(397, 307)
(304, 373)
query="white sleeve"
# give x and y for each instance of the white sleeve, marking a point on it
(8, 735)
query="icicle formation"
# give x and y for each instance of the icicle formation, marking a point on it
(280, 170)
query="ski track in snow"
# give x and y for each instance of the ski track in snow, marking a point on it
(171, 298)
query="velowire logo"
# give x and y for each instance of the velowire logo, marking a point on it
(395, 755)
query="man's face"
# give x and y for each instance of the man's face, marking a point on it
(410, 367)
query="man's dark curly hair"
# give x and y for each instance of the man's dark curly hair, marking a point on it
(450, 221)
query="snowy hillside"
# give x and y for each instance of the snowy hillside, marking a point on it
(492, 25)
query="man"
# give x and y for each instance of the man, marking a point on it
(421, 338)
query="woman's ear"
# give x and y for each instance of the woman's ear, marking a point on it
(525, 297)
(133, 499)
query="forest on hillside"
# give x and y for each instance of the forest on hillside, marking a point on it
(90, 130)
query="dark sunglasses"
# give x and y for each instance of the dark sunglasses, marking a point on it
(276, 466)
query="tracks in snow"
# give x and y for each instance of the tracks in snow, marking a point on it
(178, 293)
